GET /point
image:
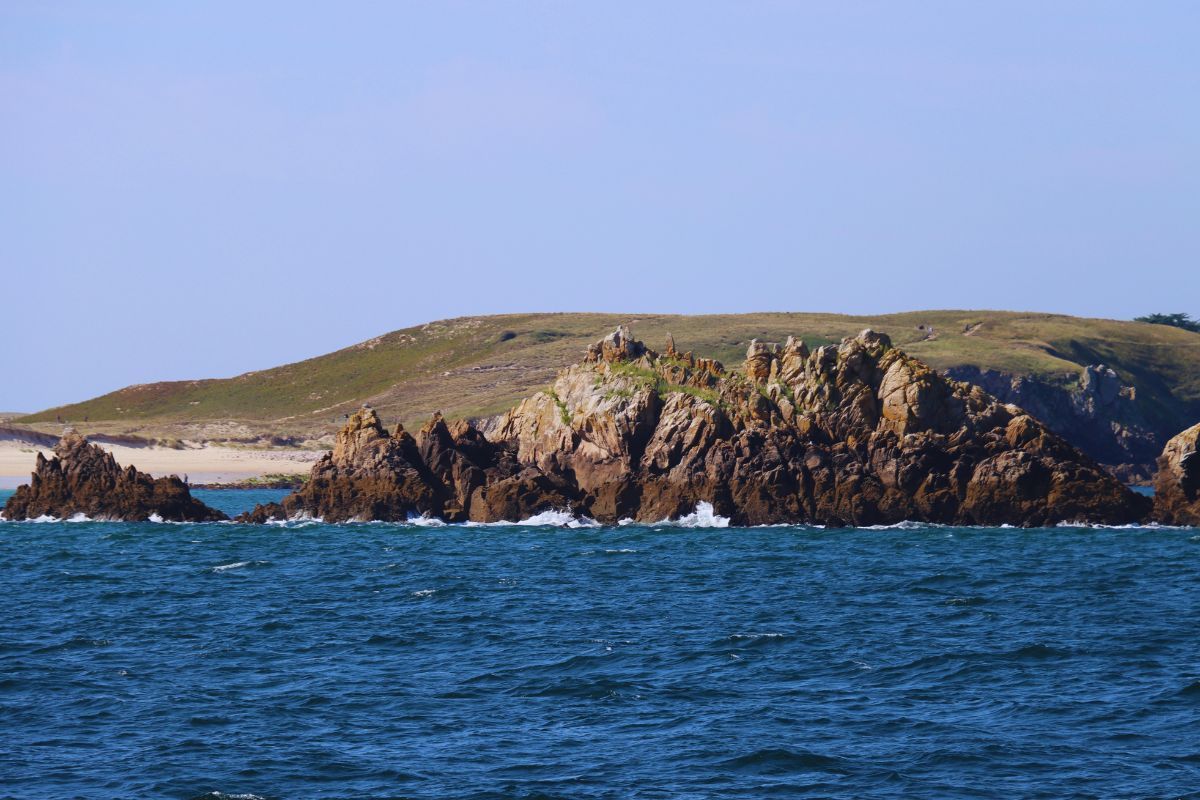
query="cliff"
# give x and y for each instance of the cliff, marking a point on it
(1099, 414)
(858, 433)
(81, 478)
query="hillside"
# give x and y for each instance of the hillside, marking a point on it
(477, 366)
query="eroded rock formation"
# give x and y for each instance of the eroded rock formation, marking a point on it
(82, 478)
(446, 471)
(1177, 485)
(1099, 414)
(858, 433)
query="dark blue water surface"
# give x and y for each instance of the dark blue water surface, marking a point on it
(371, 661)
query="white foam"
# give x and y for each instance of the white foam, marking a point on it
(301, 520)
(906, 525)
(425, 521)
(423, 592)
(554, 518)
(1132, 526)
(702, 517)
(753, 636)
(561, 519)
(234, 565)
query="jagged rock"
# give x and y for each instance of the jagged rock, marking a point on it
(83, 478)
(449, 472)
(761, 360)
(856, 434)
(617, 346)
(1100, 415)
(1177, 485)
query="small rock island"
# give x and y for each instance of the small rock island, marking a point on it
(82, 478)
(852, 434)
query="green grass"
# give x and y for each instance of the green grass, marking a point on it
(564, 413)
(495, 361)
(707, 395)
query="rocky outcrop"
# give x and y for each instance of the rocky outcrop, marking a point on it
(451, 472)
(82, 478)
(854, 434)
(1177, 485)
(1097, 413)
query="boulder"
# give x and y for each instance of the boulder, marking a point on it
(1177, 484)
(82, 478)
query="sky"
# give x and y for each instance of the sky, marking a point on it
(200, 189)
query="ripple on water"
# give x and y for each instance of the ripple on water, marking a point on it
(313, 660)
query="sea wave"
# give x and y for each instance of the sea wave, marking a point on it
(905, 525)
(702, 517)
(238, 565)
(546, 519)
(1131, 526)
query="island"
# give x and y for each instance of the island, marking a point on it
(858, 433)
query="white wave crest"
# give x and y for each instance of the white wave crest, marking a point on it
(302, 519)
(559, 518)
(702, 517)
(1132, 526)
(234, 565)
(906, 525)
(425, 521)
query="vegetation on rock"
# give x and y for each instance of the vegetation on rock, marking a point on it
(857, 433)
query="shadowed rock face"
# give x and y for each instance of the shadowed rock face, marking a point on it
(446, 471)
(82, 478)
(854, 434)
(1177, 485)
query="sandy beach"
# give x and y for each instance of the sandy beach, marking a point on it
(202, 464)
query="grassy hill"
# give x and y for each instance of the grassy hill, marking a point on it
(475, 366)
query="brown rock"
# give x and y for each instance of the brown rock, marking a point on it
(82, 478)
(1177, 484)
(855, 434)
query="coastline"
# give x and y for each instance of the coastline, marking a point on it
(210, 465)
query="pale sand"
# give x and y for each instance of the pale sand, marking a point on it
(208, 464)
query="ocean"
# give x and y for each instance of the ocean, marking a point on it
(539, 661)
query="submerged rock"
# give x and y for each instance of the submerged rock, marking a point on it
(855, 434)
(82, 478)
(1177, 485)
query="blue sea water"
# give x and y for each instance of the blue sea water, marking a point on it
(372, 661)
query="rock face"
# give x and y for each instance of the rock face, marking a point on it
(1177, 485)
(854, 434)
(82, 478)
(1099, 414)
(446, 471)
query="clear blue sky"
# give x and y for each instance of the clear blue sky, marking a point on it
(199, 189)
